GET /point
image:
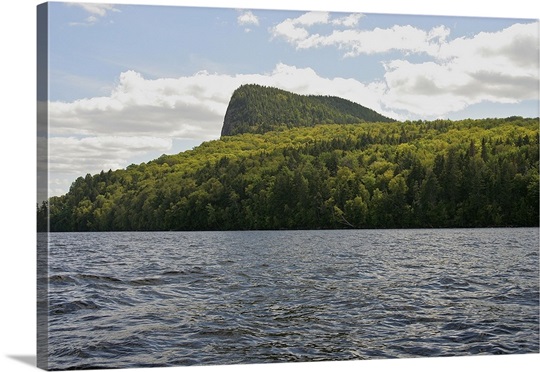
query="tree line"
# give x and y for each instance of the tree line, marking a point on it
(469, 173)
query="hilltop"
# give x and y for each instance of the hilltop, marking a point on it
(258, 109)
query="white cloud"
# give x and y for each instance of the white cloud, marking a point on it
(289, 30)
(142, 107)
(499, 67)
(312, 18)
(247, 17)
(294, 30)
(96, 11)
(518, 42)
(348, 21)
(93, 154)
(356, 42)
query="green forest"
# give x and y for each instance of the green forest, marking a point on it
(382, 174)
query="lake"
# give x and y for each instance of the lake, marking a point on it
(140, 299)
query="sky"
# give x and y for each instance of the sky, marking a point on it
(128, 83)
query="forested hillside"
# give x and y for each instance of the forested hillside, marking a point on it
(257, 109)
(469, 173)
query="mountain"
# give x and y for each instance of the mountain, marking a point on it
(257, 109)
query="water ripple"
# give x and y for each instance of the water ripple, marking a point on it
(126, 300)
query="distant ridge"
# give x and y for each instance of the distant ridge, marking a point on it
(258, 109)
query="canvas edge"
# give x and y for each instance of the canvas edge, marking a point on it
(42, 179)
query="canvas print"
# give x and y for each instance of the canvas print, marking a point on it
(229, 186)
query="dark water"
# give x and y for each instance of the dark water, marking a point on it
(159, 299)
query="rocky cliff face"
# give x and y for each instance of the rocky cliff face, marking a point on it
(258, 109)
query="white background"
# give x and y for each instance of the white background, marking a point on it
(17, 180)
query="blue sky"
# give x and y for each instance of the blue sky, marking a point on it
(130, 82)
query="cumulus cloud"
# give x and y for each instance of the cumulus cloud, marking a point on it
(184, 107)
(356, 42)
(295, 30)
(97, 9)
(93, 154)
(348, 21)
(500, 67)
(247, 17)
(311, 18)
(96, 12)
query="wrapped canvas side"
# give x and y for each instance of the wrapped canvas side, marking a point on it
(42, 186)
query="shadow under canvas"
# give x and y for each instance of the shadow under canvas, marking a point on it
(25, 359)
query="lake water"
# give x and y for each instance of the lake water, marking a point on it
(139, 299)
